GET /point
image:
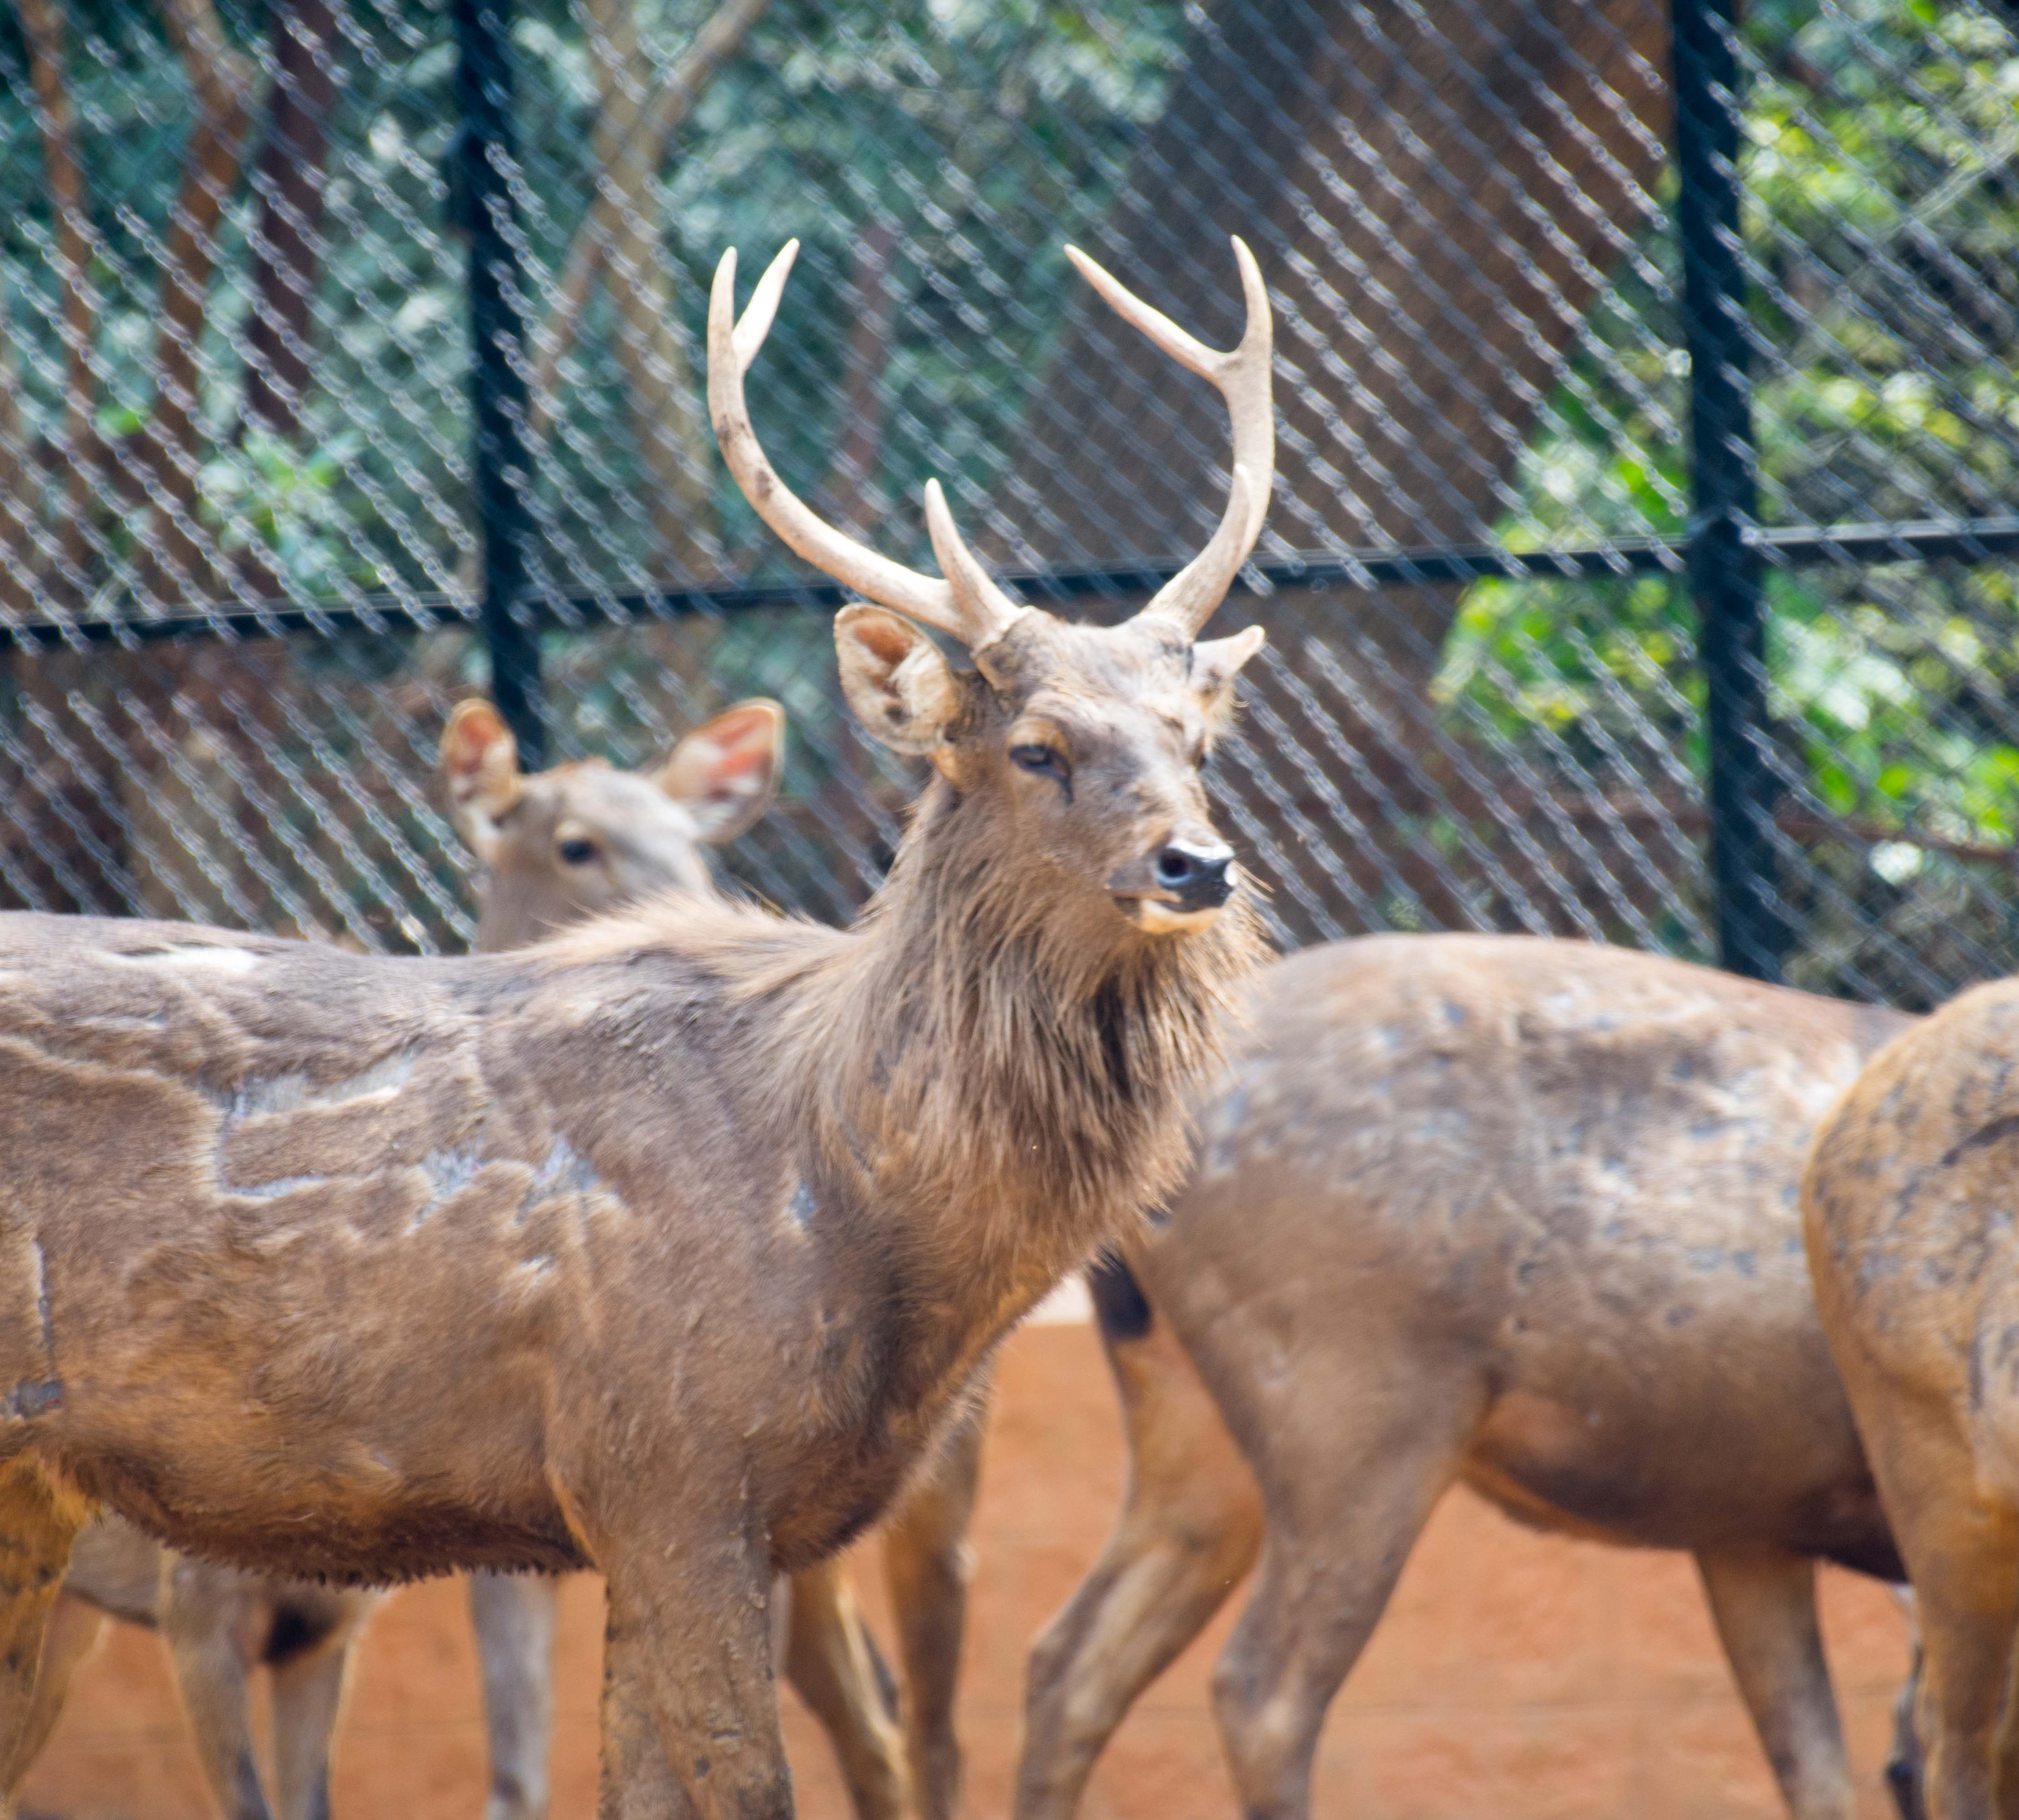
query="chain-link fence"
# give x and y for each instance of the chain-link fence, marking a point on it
(1641, 560)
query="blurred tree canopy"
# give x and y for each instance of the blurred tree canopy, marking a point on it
(653, 133)
(1882, 226)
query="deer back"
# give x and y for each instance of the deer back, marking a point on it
(1561, 1174)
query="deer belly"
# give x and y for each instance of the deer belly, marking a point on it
(364, 1449)
(1637, 1472)
(338, 1381)
(354, 1503)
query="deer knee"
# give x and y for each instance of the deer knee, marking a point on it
(1052, 1653)
(1261, 1725)
(1234, 1686)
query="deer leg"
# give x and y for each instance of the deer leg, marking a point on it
(1188, 1534)
(928, 1563)
(204, 1624)
(1968, 1608)
(830, 1659)
(1763, 1602)
(690, 1705)
(1349, 1474)
(308, 1696)
(39, 1519)
(75, 1629)
(1905, 1771)
(1960, 1544)
(514, 1616)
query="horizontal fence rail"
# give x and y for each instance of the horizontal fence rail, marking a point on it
(1370, 570)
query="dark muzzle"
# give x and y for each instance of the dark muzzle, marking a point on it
(1196, 876)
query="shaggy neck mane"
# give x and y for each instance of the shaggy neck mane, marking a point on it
(992, 1058)
(1006, 1066)
(1025, 1051)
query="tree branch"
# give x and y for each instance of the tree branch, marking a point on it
(286, 241)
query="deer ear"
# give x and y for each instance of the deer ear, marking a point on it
(899, 685)
(726, 773)
(1216, 661)
(480, 760)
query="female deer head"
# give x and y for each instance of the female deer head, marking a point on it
(1085, 743)
(579, 839)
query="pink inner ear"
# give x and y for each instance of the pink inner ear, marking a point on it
(469, 742)
(742, 744)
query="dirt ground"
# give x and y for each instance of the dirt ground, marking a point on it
(1514, 1674)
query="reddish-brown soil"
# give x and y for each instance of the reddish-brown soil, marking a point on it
(1514, 1674)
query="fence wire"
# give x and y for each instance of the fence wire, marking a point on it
(242, 534)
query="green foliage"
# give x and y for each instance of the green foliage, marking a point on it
(981, 135)
(263, 494)
(1882, 227)
(973, 130)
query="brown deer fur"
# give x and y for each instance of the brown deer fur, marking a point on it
(1515, 1213)
(556, 847)
(667, 1246)
(1908, 1208)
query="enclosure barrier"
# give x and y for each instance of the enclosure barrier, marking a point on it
(1641, 563)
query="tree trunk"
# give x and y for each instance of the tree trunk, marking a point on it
(289, 180)
(20, 526)
(182, 561)
(1436, 196)
(77, 455)
(619, 241)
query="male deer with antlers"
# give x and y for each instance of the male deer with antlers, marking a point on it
(556, 847)
(668, 1245)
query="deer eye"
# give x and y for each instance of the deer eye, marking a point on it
(1045, 761)
(575, 853)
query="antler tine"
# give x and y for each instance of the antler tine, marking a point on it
(1243, 375)
(966, 604)
(965, 576)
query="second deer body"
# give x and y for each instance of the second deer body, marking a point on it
(1909, 1211)
(1514, 1214)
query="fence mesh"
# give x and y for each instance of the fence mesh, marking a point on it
(239, 547)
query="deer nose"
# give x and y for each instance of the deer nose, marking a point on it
(1195, 873)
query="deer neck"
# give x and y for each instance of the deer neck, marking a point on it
(1001, 1070)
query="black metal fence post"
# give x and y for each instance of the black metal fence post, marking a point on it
(1724, 569)
(502, 466)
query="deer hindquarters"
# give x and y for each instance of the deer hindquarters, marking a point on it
(40, 1515)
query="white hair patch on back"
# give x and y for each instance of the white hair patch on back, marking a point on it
(223, 960)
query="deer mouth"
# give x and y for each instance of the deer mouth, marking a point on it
(1162, 912)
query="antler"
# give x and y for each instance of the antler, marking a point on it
(967, 603)
(1243, 377)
